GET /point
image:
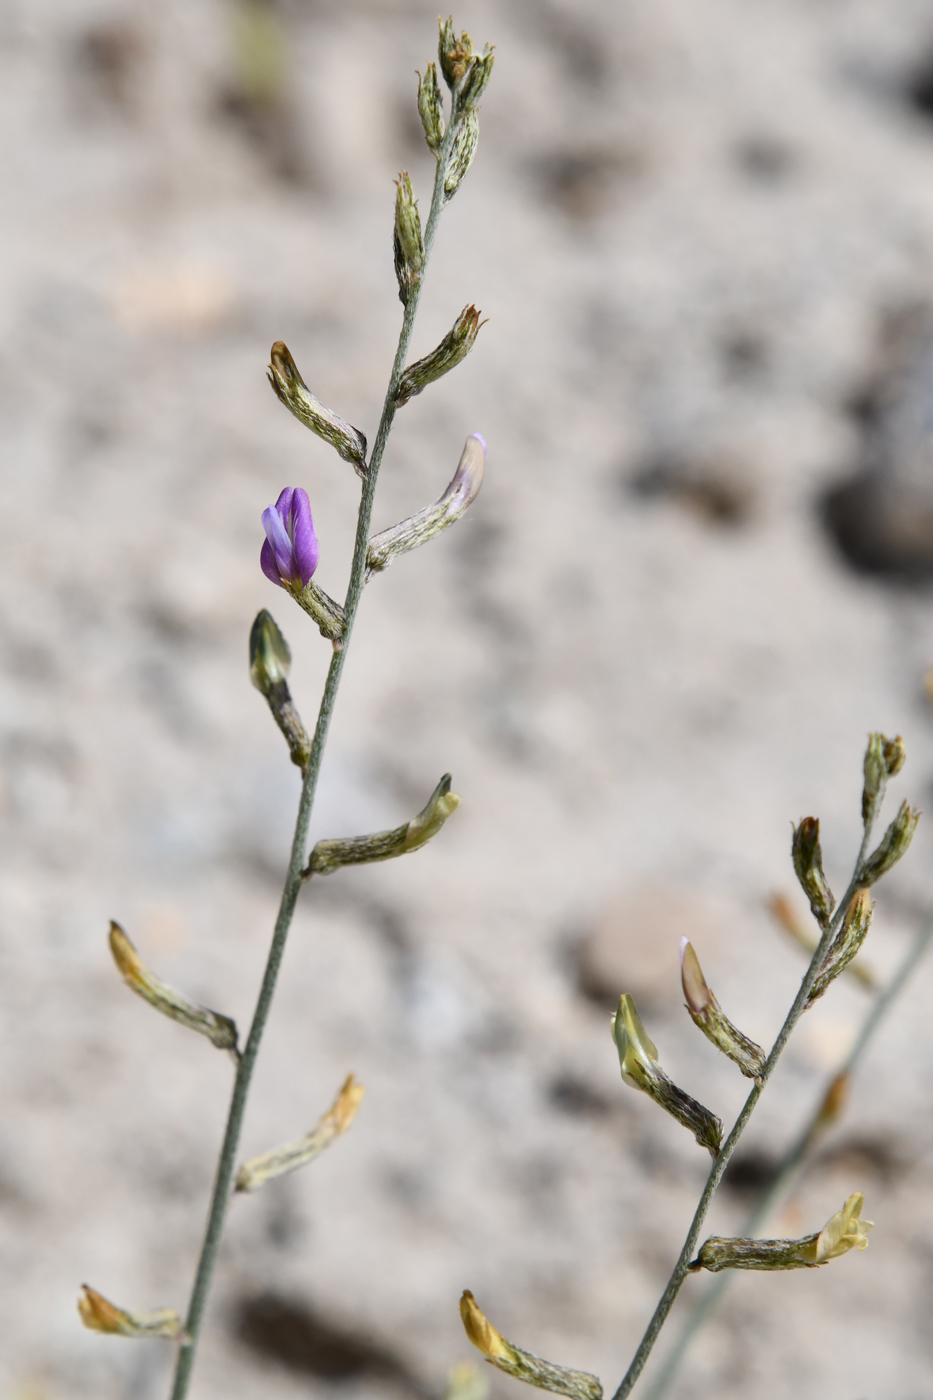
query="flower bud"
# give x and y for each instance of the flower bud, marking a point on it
(431, 108)
(294, 393)
(638, 1060)
(100, 1315)
(843, 1232)
(220, 1030)
(407, 240)
(258, 1170)
(808, 863)
(892, 846)
(270, 656)
(705, 1012)
(461, 155)
(329, 856)
(456, 345)
(269, 662)
(417, 529)
(290, 552)
(560, 1380)
(845, 945)
(455, 55)
(475, 81)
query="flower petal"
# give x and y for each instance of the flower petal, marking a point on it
(300, 525)
(277, 536)
(267, 563)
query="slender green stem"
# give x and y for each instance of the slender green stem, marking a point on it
(793, 1160)
(681, 1268)
(226, 1165)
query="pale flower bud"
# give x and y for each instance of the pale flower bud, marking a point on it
(843, 1232)
(475, 81)
(846, 944)
(418, 529)
(454, 55)
(461, 154)
(329, 856)
(100, 1315)
(893, 845)
(431, 108)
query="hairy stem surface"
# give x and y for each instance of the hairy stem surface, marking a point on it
(681, 1268)
(226, 1164)
(794, 1159)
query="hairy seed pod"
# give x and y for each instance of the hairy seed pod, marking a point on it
(288, 1158)
(560, 1380)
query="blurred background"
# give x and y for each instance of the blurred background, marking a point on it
(697, 576)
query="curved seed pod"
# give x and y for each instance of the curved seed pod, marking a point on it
(329, 856)
(706, 1013)
(844, 1231)
(431, 108)
(220, 1030)
(258, 1170)
(293, 392)
(269, 662)
(455, 346)
(461, 154)
(808, 863)
(100, 1315)
(407, 241)
(560, 1380)
(325, 611)
(892, 845)
(417, 529)
(638, 1060)
(846, 944)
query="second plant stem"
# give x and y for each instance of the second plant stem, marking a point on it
(793, 1161)
(681, 1268)
(226, 1165)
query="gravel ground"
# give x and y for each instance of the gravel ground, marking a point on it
(703, 236)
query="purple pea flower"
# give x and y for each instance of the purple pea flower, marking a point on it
(290, 553)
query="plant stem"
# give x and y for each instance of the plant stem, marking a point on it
(722, 1161)
(794, 1159)
(226, 1163)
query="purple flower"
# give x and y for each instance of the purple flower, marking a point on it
(290, 553)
